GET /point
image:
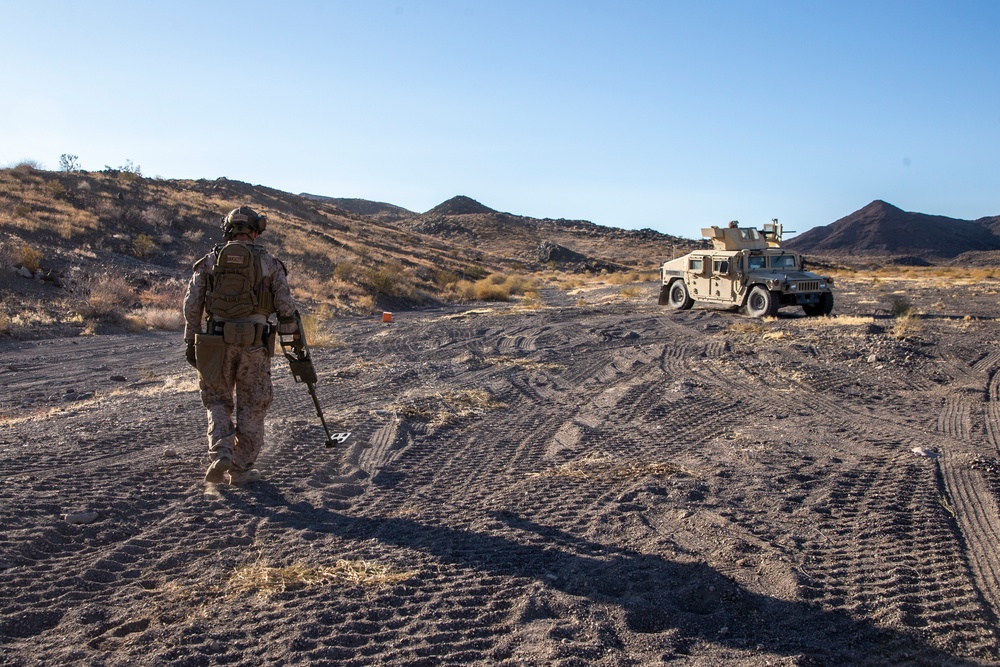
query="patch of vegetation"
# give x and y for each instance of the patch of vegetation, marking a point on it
(29, 257)
(900, 306)
(448, 407)
(261, 577)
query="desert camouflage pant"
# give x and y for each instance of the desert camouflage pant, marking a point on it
(247, 369)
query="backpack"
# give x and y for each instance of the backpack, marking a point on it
(235, 286)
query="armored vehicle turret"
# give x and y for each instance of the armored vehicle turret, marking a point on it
(747, 268)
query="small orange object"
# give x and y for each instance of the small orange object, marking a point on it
(387, 317)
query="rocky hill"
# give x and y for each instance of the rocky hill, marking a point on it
(883, 230)
(95, 248)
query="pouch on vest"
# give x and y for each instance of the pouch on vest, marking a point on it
(235, 277)
(240, 333)
(209, 353)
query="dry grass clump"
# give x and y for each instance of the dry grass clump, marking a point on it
(632, 291)
(448, 407)
(161, 307)
(154, 317)
(907, 325)
(605, 466)
(840, 321)
(496, 287)
(109, 296)
(626, 277)
(751, 327)
(262, 578)
(318, 329)
(336, 294)
(908, 322)
(900, 306)
(28, 257)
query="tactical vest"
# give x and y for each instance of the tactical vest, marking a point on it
(236, 285)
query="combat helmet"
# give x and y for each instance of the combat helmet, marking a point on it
(242, 220)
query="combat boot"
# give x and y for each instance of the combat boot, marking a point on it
(217, 470)
(243, 477)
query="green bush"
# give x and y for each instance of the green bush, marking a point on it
(143, 244)
(383, 281)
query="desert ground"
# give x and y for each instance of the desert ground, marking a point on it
(593, 481)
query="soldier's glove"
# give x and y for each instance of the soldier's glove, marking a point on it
(288, 325)
(189, 354)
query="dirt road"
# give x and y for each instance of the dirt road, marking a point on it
(599, 481)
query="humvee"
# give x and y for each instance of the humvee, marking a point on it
(746, 268)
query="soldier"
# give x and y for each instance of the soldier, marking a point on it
(240, 287)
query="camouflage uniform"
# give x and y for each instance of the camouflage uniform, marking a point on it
(246, 368)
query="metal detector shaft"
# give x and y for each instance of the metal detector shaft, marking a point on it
(296, 351)
(329, 438)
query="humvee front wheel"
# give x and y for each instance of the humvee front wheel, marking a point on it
(761, 303)
(824, 307)
(678, 297)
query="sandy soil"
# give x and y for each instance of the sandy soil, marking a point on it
(600, 481)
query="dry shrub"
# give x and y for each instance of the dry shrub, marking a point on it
(900, 305)
(531, 301)
(907, 325)
(346, 271)
(496, 287)
(166, 295)
(5, 324)
(109, 297)
(31, 317)
(152, 317)
(632, 291)
(445, 278)
(29, 257)
(193, 235)
(753, 327)
(624, 278)
(517, 284)
(156, 217)
(317, 330)
(482, 290)
(449, 406)
(839, 321)
(55, 189)
(364, 303)
(261, 577)
(143, 244)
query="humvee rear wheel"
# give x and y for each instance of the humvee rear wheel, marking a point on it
(678, 297)
(824, 307)
(761, 303)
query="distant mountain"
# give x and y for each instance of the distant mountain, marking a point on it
(570, 244)
(881, 229)
(361, 206)
(460, 205)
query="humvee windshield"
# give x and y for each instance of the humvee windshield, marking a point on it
(755, 262)
(783, 262)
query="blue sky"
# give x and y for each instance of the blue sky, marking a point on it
(667, 115)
